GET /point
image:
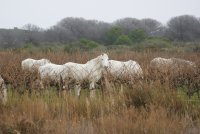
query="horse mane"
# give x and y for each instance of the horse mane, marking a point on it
(95, 60)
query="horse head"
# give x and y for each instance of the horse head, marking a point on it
(104, 60)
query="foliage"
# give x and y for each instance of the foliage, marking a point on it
(154, 43)
(157, 42)
(137, 35)
(184, 28)
(82, 44)
(88, 44)
(123, 40)
(112, 34)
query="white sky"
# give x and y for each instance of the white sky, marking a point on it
(46, 13)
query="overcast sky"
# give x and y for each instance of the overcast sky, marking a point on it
(46, 13)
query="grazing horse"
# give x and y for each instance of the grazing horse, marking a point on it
(52, 73)
(128, 69)
(3, 91)
(161, 65)
(32, 64)
(171, 65)
(178, 72)
(30, 69)
(90, 71)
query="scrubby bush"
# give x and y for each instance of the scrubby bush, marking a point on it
(112, 34)
(86, 44)
(123, 39)
(82, 45)
(157, 42)
(137, 35)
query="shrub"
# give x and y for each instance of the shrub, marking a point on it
(112, 34)
(157, 42)
(137, 35)
(123, 39)
(82, 44)
(138, 98)
(86, 44)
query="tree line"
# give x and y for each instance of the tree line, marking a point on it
(185, 28)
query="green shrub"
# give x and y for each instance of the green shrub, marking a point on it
(123, 39)
(157, 43)
(72, 47)
(137, 35)
(82, 44)
(86, 44)
(112, 34)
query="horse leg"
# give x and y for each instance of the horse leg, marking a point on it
(92, 90)
(66, 87)
(92, 85)
(59, 85)
(77, 90)
(41, 84)
(58, 88)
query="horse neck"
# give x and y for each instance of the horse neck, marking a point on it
(94, 63)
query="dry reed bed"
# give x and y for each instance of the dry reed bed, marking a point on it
(151, 109)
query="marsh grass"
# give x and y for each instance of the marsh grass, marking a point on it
(120, 107)
(134, 111)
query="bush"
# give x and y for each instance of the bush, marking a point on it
(137, 35)
(157, 42)
(138, 98)
(112, 34)
(86, 44)
(123, 39)
(82, 44)
(72, 47)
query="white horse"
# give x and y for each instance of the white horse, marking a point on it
(3, 91)
(52, 72)
(32, 64)
(163, 65)
(128, 69)
(91, 71)
(173, 70)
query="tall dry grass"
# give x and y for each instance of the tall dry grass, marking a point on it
(153, 107)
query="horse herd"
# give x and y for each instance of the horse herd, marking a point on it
(93, 71)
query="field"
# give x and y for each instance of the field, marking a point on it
(120, 107)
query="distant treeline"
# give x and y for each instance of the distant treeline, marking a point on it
(126, 31)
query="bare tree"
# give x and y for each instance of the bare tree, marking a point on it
(152, 27)
(32, 27)
(184, 28)
(71, 29)
(128, 24)
(33, 34)
(149, 26)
